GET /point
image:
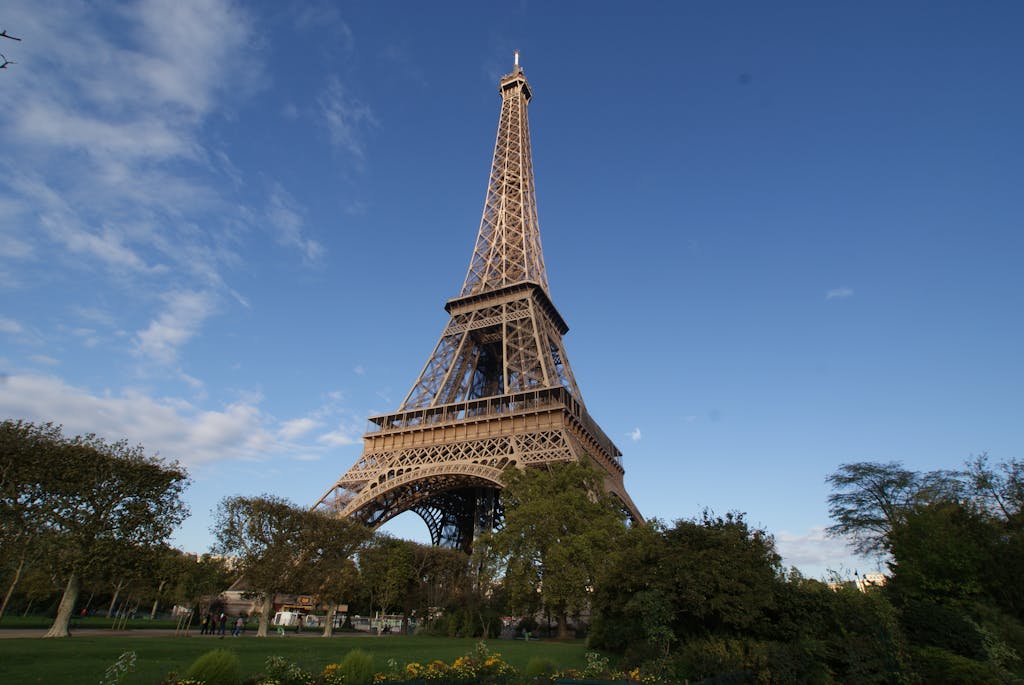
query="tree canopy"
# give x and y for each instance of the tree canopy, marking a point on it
(83, 501)
(279, 547)
(560, 527)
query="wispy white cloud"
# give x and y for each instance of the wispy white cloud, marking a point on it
(197, 50)
(346, 118)
(339, 437)
(55, 125)
(87, 336)
(286, 220)
(179, 322)
(174, 428)
(116, 176)
(815, 553)
(94, 315)
(839, 293)
(10, 325)
(12, 247)
(635, 435)
(44, 360)
(296, 428)
(359, 370)
(324, 16)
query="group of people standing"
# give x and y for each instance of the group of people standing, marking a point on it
(217, 625)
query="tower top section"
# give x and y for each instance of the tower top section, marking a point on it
(508, 248)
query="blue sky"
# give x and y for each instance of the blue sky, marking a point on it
(785, 236)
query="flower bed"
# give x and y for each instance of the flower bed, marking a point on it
(480, 667)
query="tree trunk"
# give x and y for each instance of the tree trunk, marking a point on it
(563, 627)
(484, 625)
(113, 602)
(329, 621)
(14, 583)
(67, 605)
(268, 603)
(156, 600)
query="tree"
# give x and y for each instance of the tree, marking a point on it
(998, 490)
(387, 569)
(328, 544)
(868, 500)
(89, 498)
(206, 576)
(709, 575)
(485, 596)
(955, 549)
(439, 580)
(560, 527)
(265, 535)
(24, 500)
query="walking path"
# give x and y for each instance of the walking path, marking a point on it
(161, 632)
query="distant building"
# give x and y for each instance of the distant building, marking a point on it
(861, 583)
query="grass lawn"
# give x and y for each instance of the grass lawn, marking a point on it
(78, 660)
(24, 622)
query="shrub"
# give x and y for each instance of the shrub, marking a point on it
(930, 624)
(280, 671)
(937, 666)
(540, 667)
(742, 660)
(219, 667)
(356, 668)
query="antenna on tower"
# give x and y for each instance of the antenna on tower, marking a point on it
(516, 58)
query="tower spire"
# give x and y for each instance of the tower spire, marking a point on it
(508, 248)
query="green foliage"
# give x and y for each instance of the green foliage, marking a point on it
(940, 551)
(540, 667)
(955, 541)
(85, 660)
(868, 500)
(597, 665)
(855, 634)
(280, 547)
(726, 659)
(930, 624)
(217, 667)
(278, 670)
(711, 575)
(560, 527)
(356, 668)
(937, 666)
(327, 545)
(388, 569)
(84, 505)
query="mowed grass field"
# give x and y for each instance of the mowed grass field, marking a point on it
(81, 659)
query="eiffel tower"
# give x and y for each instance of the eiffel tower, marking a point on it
(498, 391)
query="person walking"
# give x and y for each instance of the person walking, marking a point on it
(204, 624)
(223, 623)
(239, 625)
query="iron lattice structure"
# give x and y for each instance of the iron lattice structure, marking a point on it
(498, 391)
